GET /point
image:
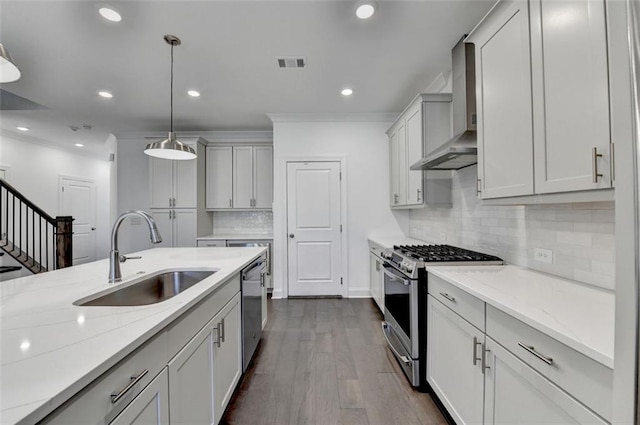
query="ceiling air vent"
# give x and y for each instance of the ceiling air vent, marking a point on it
(292, 62)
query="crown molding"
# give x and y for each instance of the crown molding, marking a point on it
(54, 145)
(210, 137)
(333, 117)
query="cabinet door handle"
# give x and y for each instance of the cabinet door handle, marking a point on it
(447, 296)
(595, 156)
(395, 198)
(532, 350)
(170, 201)
(475, 354)
(217, 341)
(612, 155)
(484, 358)
(478, 187)
(230, 203)
(222, 332)
(115, 396)
(174, 201)
(418, 195)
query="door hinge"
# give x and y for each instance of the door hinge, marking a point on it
(341, 281)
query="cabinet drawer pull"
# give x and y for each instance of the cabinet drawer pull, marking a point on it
(484, 358)
(222, 332)
(475, 355)
(447, 296)
(134, 380)
(596, 155)
(532, 350)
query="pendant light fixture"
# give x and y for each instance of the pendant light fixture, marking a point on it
(8, 70)
(171, 147)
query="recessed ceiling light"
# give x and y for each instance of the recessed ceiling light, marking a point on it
(110, 14)
(23, 128)
(365, 9)
(79, 145)
(105, 94)
(193, 93)
(346, 92)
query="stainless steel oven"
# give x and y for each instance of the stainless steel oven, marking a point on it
(405, 300)
(401, 317)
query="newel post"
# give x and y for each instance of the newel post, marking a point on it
(64, 241)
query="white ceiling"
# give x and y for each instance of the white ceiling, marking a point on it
(67, 52)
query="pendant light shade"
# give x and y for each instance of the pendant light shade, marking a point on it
(171, 147)
(8, 70)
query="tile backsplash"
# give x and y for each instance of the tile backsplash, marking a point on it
(580, 235)
(243, 222)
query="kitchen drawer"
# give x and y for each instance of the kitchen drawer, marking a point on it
(469, 307)
(180, 332)
(585, 379)
(93, 405)
(221, 243)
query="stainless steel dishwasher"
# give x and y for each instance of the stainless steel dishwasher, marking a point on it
(252, 288)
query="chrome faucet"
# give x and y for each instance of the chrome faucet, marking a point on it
(115, 275)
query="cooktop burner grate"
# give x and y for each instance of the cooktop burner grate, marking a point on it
(442, 253)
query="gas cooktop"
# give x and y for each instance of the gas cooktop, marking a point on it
(442, 253)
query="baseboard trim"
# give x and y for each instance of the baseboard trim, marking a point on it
(276, 294)
(359, 293)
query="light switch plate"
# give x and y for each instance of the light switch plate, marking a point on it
(543, 255)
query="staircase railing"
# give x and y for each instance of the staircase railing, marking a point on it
(37, 240)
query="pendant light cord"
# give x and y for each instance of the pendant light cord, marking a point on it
(172, 87)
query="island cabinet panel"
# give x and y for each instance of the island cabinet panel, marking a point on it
(186, 374)
(517, 394)
(94, 403)
(191, 379)
(151, 407)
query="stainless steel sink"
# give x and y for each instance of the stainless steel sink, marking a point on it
(150, 290)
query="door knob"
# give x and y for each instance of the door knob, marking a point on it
(291, 235)
(93, 228)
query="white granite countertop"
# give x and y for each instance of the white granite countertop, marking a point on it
(578, 315)
(388, 241)
(50, 349)
(235, 236)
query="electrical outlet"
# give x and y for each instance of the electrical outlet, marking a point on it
(443, 236)
(543, 255)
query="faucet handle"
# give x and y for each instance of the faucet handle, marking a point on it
(124, 258)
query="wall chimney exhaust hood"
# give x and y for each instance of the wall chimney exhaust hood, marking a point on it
(462, 150)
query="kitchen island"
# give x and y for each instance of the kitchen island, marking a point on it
(52, 349)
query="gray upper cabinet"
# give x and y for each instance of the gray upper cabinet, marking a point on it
(423, 126)
(571, 95)
(239, 177)
(544, 122)
(503, 91)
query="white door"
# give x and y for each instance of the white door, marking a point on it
(313, 227)
(78, 199)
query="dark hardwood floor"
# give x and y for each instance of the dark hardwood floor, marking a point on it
(325, 361)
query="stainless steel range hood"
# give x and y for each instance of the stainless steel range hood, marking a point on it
(461, 150)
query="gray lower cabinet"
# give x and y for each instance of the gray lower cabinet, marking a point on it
(482, 365)
(186, 374)
(150, 407)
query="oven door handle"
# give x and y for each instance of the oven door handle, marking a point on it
(388, 271)
(402, 358)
